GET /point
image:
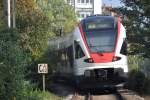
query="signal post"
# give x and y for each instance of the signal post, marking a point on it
(43, 69)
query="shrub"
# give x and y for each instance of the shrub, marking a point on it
(12, 65)
(136, 80)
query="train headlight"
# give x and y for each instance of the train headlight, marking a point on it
(116, 58)
(89, 60)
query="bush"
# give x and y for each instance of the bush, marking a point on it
(136, 80)
(146, 88)
(12, 65)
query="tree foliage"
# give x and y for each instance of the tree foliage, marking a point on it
(38, 20)
(60, 14)
(21, 49)
(137, 21)
(33, 27)
(12, 65)
(136, 16)
(45, 21)
(0, 8)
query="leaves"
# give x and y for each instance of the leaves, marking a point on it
(22, 48)
(12, 65)
(38, 21)
(137, 22)
(61, 15)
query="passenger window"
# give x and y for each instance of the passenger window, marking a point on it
(124, 48)
(78, 51)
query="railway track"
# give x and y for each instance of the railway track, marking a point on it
(70, 93)
(89, 96)
(76, 96)
(118, 95)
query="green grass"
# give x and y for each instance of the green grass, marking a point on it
(40, 95)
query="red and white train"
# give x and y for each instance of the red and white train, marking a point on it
(99, 49)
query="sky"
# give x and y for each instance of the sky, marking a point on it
(114, 3)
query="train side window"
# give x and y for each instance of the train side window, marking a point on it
(70, 55)
(124, 48)
(78, 51)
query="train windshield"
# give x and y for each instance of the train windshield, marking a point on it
(100, 35)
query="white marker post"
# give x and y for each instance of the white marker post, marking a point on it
(43, 69)
(8, 14)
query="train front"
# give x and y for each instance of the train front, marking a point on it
(100, 49)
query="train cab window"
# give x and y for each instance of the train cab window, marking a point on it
(78, 51)
(100, 34)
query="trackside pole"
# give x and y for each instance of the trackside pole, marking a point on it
(14, 13)
(43, 82)
(8, 14)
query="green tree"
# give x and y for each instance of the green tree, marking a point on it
(60, 14)
(137, 21)
(26, 46)
(40, 20)
(37, 21)
(136, 16)
(33, 27)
